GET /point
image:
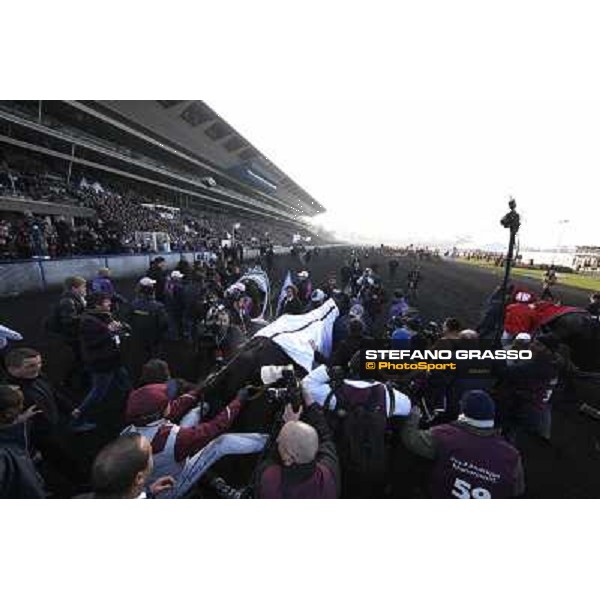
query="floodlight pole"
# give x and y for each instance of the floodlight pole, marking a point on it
(512, 222)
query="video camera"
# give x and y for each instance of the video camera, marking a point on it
(290, 392)
(511, 220)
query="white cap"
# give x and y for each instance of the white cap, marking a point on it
(177, 275)
(523, 336)
(303, 274)
(147, 282)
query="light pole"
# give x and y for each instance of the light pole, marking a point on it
(511, 221)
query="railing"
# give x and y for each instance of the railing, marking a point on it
(39, 275)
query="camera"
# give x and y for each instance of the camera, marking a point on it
(290, 392)
(511, 220)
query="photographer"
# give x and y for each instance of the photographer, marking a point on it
(220, 339)
(358, 411)
(303, 463)
(100, 347)
(184, 447)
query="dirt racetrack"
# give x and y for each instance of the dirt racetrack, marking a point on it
(569, 467)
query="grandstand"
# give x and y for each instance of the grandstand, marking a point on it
(114, 162)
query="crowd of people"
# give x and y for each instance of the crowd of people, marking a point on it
(122, 216)
(325, 431)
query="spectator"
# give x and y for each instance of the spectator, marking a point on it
(157, 273)
(24, 369)
(451, 329)
(470, 458)
(348, 347)
(175, 303)
(102, 284)
(100, 341)
(399, 305)
(64, 323)
(291, 304)
(18, 476)
(303, 287)
(148, 320)
(121, 470)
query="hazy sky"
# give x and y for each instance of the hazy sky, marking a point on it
(421, 122)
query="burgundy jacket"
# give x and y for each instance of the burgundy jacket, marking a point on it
(318, 479)
(191, 439)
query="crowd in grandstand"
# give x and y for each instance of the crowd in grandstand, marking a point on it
(119, 425)
(121, 213)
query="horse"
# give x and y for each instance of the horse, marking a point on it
(580, 332)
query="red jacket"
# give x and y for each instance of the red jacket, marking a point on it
(518, 318)
(191, 439)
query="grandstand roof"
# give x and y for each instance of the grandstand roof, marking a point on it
(195, 128)
(199, 166)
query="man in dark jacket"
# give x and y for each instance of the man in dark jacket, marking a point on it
(304, 462)
(100, 343)
(291, 304)
(64, 323)
(48, 433)
(148, 320)
(68, 311)
(348, 347)
(18, 476)
(158, 273)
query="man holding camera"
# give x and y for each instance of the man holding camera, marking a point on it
(303, 462)
(358, 411)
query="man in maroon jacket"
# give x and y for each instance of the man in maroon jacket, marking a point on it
(471, 459)
(183, 447)
(304, 463)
